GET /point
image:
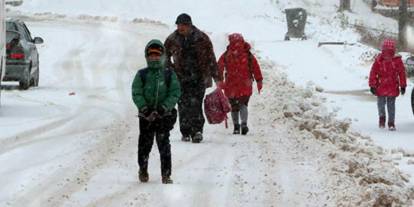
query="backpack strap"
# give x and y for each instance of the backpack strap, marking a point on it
(250, 65)
(143, 74)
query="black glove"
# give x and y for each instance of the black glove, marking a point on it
(145, 111)
(152, 116)
(161, 110)
(373, 91)
(402, 90)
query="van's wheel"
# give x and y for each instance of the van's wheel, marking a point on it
(36, 78)
(24, 83)
(37, 73)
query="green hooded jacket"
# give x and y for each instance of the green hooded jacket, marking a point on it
(155, 92)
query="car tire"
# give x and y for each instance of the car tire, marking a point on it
(36, 78)
(24, 83)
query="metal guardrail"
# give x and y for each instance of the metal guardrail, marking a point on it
(14, 2)
(373, 29)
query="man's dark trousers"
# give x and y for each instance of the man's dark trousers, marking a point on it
(190, 108)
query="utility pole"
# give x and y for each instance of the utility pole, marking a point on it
(402, 25)
(344, 5)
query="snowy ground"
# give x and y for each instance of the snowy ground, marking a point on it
(80, 150)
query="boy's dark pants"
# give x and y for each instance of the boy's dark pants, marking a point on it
(160, 128)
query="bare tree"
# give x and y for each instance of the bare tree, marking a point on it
(402, 25)
(344, 5)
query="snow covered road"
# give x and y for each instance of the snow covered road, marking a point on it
(54, 135)
(80, 150)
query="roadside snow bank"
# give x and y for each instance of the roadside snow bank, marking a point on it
(50, 16)
(363, 172)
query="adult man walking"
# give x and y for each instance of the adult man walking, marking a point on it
(155, 91)
(190, 53)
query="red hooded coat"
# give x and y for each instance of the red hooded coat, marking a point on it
(234, 63)
(387, 73)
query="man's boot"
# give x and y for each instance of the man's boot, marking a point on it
(236, 129)
(185, 138)
(382, 122)
(143, 176)
(166, 180)
(391, 126)
(197, 138)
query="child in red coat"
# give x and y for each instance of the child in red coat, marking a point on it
(387, 80)
(240, 69)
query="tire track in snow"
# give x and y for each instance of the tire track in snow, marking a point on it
(104, 148)
(74, 68)
(197, 175)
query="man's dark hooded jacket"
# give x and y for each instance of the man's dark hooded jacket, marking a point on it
(193, 57)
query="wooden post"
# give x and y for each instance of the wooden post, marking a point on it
(344, 5)
(402, 25)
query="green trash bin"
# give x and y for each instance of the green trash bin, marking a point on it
(296, 21)
(409, 66)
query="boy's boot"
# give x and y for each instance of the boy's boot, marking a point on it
(143, 176)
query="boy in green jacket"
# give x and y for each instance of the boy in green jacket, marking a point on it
(155, 91)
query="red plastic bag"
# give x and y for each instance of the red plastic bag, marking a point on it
(216, 107)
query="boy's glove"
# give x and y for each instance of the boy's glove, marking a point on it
(145, 111)
(148, 114)
(161, 110)
(153, 115)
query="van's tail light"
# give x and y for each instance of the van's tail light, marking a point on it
(16, 56)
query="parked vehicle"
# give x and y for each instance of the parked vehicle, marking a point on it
(22, 57)
(2, 41)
